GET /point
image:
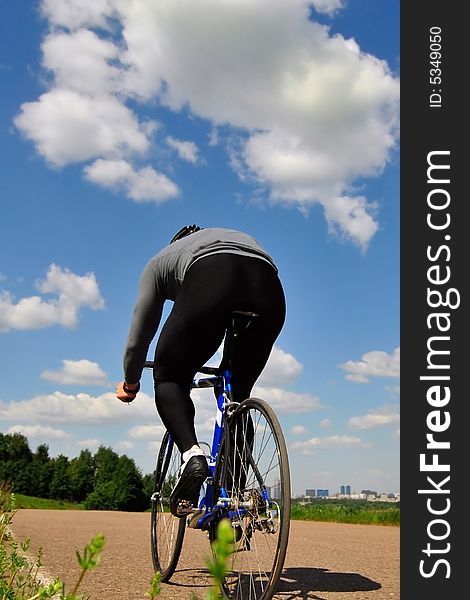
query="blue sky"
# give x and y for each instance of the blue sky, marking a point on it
(119, 123)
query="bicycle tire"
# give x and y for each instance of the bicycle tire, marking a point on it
(261, 536)
(167, 531)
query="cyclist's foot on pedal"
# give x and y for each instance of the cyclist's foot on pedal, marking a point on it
(186, 491)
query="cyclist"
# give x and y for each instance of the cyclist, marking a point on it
(208, 273)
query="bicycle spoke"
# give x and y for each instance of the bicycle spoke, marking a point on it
(167, 531)
(257, 465)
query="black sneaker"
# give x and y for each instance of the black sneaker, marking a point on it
(186, 491)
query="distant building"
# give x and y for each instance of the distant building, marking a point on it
(323, 493)
(310, 493)
(342, 490)
(348, 490)
(276, 490)
(345, 490)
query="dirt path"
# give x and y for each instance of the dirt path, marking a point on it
(325, 561)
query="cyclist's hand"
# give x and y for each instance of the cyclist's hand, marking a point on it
(126, 392)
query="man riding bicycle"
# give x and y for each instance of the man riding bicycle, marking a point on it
(208, 273)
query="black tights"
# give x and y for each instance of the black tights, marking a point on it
(213, 288)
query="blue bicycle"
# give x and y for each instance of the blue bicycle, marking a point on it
(249, 484)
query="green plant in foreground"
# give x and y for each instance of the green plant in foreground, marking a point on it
(222, 549)
(155, 587)
(19, 576)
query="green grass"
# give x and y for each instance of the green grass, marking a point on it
(365, 513)
(31, 502)
(360, 512)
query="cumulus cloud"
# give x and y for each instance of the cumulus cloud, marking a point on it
(298, 430)
(373, 364)
(78, 372)
(142, 185)
(79, 409)
(285, 401)
(38, 431)
(89, 444)
(125, 445)
(187, 151)
(71, 292)
(153, 432)
(69, 127)
(328, 7)
(304, 113)
(333, 441)
(282, 368)
(387, 415)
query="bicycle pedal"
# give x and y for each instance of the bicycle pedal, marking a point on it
(185, 507)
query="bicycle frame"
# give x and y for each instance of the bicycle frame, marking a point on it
(206, 506)
(219, 377)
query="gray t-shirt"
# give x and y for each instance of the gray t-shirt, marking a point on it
(162, 278)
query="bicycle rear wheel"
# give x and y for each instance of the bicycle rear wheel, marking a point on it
(252, 485)
(167, 531)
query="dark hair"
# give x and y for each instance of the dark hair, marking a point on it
(184, 231)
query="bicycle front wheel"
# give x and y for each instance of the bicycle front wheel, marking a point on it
(167, 531)
(252, 487)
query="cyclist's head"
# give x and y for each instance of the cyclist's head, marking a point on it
(184, 231)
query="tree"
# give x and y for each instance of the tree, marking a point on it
(149, 482)
(130, 493)
(81, 475)
(124, 490)
(106, 461)
(16, 458)
(102, 497)
(42, 472)
(60, 483)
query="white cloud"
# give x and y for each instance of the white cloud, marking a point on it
(82, 62)
(334, 441)
(153, 432)
(325, 423)
(312, 113)
(373, 364)
(78, 409)
(142, 185)
(282, 368)
(387, 415)
(284, 401)
(69, 127)
(125, 445)
(38, 431)
(187, 151)
(72, 293)
(328, 7)
(77, 13)
(298, 430)
(90, 444)
(81, 371)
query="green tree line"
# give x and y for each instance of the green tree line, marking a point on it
(101, 481)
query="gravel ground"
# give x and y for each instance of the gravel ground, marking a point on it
(325, 561)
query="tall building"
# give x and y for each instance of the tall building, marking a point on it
(342, 490)
(276, 490)
(348, 490)
(323, 493)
